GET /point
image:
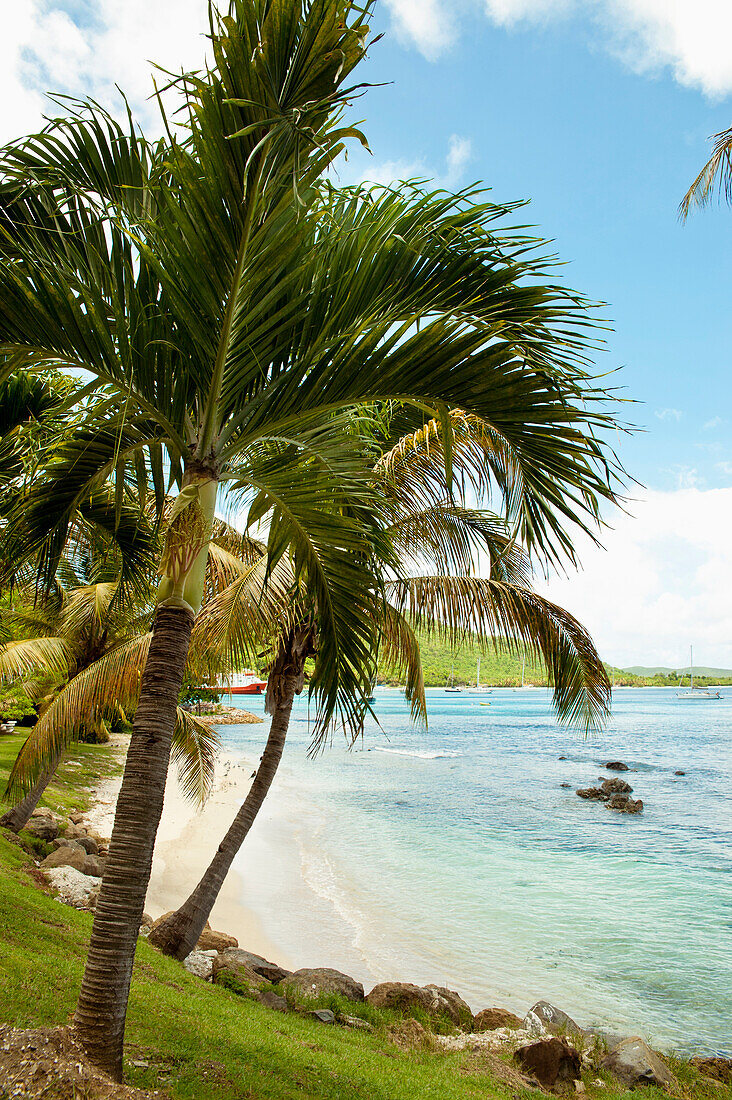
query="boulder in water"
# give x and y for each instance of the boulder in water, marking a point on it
(616, 766)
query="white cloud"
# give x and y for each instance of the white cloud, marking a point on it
(428, 23)
(724, 468)
(669, 414)
(458, 156)
(715, 422)
(661, 584)
(689, 37)
(45, 50)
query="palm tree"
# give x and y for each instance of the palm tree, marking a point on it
(430, 524)
(717, 172)
(235, 313)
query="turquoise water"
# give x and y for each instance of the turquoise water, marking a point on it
(454, 855)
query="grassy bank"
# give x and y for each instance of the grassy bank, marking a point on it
(202, 1042)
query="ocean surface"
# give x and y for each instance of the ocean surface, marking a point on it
(455, 855)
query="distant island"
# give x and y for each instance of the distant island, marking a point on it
(502, 667)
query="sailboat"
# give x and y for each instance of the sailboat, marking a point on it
(478, 689)
(451, 687)
(696, 693)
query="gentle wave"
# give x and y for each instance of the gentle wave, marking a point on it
(445, 755)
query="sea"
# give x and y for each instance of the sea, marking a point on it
(460, 854)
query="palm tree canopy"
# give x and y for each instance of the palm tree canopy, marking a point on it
(235, 311)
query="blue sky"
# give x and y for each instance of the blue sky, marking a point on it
(598, 111)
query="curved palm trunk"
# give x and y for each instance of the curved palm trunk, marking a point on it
(179, 934)
(100, 1014)
(18, 816)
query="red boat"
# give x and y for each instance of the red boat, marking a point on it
(247, 683)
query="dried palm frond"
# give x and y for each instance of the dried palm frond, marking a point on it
(195, 747)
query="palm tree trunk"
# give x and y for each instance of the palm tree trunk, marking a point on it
(17, 817)
(100, 1014)
(179, 934)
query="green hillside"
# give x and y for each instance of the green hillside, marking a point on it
(501, 667)
(700, 670)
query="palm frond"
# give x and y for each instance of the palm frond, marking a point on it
(499, 613)
(25, 657)
(194, 750)
(716, 173)
(399, 650)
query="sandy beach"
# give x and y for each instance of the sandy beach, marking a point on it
(186, 840)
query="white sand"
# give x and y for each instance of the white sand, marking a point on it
(186, 841)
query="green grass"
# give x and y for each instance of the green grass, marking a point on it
(203, 1042)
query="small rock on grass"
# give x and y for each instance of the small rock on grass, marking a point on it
(324, 1015)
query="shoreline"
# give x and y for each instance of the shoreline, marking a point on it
(286, 900)
(185, 843)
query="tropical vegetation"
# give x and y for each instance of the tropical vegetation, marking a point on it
(256, 340)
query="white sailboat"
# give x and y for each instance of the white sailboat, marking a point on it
(451, 687)
(478, 689)
(696, 693)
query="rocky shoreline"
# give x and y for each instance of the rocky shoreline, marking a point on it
(547, 1049)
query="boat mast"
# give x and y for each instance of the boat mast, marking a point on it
(691, 665)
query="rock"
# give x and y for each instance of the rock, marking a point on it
(200, 965)
(74, 832)
(356, 1022)
(719, 1069)
(89, 844)
(62, 842)
(324, 1015)
(147, 921)
(93, 898)
(562, 758)
(616, 786)
(72, 887)
(270, 971)
(446, 1002)
(314, 982)
(679, 773)
(616, 766)
(625, 805)
(492, 1018)
(42, 826)
(76, 818)
(634, 1063)
(568, 785)
(215, 941)
(592, 793)
(550, 1061)
(270, 999)
(436, 1001)
(73, 857)
(545, 1017)
(235, 963)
